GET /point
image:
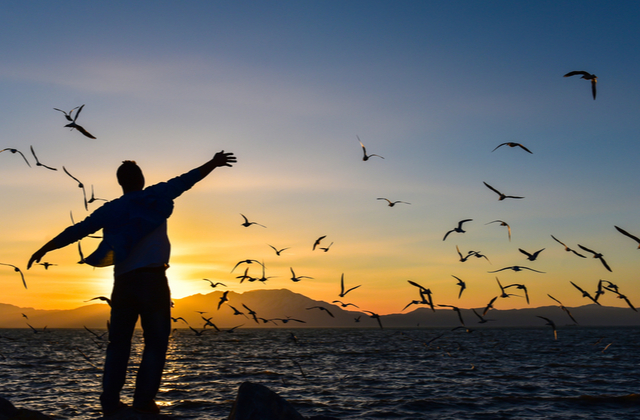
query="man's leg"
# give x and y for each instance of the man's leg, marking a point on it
(155, 317)
(124, 316)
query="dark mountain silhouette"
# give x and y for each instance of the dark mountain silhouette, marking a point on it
(272, 304)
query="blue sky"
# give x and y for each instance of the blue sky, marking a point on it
(433, 87)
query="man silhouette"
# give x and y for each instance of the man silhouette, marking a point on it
(135, 241)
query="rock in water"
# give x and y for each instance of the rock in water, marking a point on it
(257, 402)
(10, 412)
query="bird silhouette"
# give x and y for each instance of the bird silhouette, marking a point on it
(455, 308)
(552, 325)
(586, 76)
(463, 258)
(392, 203)
(252, 313)
(248, 261)
(17, 270)
(457, 229)
(516, 268)
(236, 311)
(278, 251)
(585, 293)
(38, 162)
(295, 278)
(247, 223)
(482, 319)
(521, 287)
(46, 265)
(502, 196)
(625, 233)
(93, 197)
(511, 144)
(597, 255)
(102, 298)
(317, 242)
(376, 317)
(502, 223)
(223, 298)
(563, 308)
(12, 150)
(342, 291)
(322, 308)
(326, 249)
(80, 185)
(344, 305)
(489, 306)
(72, 124)
(213, 285)
(462, 285)
(566, 248)
(365, 156)
(531, 257)
(67, 116)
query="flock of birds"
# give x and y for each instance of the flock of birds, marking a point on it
(425, 294)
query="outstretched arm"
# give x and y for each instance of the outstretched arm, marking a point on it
(220, 159)
(37, 256)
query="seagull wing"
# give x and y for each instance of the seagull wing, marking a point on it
(625, 233)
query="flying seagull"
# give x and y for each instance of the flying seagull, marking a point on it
(73, 124)
(516, 268)
(511, 144)
(552, 324)
(365, 156)
(278, 251)
(531, 257)
(247, 223)
(322, 308)
(625, 233)
(502, 196)
(596, 255)
(585, 293)
(521, 287)
(457, 229)
(223, 298)
(502, 223)
(213, 285)
(38, 162)
(317, 242)
(80, 185)
(566, 248)
(393, 203)
(462, 285)
(102, 298)
(17, 270)
(342, 291)
(563, 308)
(295, 278)
(12, 150)
(586, 76)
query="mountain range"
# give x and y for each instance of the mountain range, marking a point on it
(276, 306)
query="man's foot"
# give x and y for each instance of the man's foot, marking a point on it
(115, 410)
(149, 407)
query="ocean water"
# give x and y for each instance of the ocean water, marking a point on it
(421, 373)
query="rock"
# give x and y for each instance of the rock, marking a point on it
(9, 412)
(257, 402)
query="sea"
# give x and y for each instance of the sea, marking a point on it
(347, 373)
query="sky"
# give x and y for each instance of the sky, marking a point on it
(289, 87)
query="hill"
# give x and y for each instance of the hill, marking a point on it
(275, 306)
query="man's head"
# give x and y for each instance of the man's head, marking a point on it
(130, 176)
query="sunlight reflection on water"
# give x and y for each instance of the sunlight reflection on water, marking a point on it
(347, 373)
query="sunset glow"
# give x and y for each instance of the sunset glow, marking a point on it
(433, 87)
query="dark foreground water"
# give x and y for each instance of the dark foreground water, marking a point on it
(493, 373)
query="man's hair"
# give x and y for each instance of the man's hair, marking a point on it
(129, 173)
